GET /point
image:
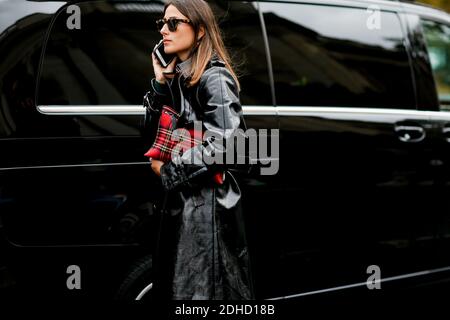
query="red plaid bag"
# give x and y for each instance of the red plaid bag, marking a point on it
(166, 141)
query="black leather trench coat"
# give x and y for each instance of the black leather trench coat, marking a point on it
(202, 252)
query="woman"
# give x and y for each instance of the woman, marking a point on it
(202, 252)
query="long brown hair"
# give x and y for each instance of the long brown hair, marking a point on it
(200, 14)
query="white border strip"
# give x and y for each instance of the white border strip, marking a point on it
(361, 284)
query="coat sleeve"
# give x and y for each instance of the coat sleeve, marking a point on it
(222, 112)
(157, 96)
(154, 99)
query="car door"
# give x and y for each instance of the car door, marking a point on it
(80, 192)
(355, 151)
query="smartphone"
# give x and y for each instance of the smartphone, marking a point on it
(163, 58)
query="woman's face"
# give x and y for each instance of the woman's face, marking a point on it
(181, 40)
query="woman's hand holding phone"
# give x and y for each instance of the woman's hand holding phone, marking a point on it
(158, 69)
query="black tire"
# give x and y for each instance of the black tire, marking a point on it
(138, 283)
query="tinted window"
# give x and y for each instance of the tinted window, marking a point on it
(22, 27)
(241, 29)
(438, 44)
(328, 56)
(107, 60)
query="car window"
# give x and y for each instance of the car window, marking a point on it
(106, 61)
(22, 28)
(437, 36)
(334, 56)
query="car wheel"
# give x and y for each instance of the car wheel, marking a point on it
(138, 284)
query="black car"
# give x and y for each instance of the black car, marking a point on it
(357, 93)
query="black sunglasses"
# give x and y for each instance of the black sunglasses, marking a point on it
(172, 23)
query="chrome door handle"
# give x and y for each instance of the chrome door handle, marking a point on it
(410, 133)
(446, 132)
